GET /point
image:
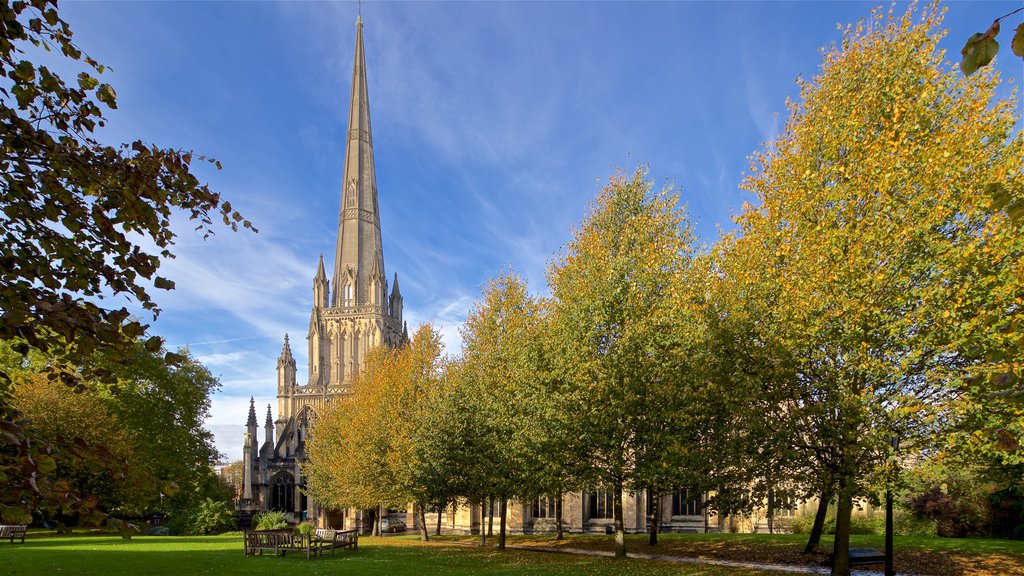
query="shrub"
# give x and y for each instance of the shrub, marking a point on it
(306, 528)
(905, 523)
(212, 517)
(869, 526)
(956, 514)
(208, 517)
(803, 523)
(272, 520)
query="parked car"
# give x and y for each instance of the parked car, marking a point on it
(388, 525)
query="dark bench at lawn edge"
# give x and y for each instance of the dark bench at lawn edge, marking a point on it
(10, 532)
(861, 558)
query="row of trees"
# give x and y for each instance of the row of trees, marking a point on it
(874, 292)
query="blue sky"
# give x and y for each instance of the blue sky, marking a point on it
(494, 124)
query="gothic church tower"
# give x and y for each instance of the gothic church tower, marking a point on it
(351, 313)
(355, 311)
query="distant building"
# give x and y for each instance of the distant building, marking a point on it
(352, 312)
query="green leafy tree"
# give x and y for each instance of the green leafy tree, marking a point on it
(164, 407)
(893, 265)
(78, 215)
(129, 447)
(97, 458)
(81, 222)
(614, 325)
(500, 370)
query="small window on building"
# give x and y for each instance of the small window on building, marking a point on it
(545, 507)
(687, 503)
(348, 295)
(787, 506)
(602, 504)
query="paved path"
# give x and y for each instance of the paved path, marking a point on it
(684, 559)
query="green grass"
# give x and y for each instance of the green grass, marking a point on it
(222, 556)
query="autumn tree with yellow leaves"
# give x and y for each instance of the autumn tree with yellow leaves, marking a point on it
(886, 226)
(363, 449)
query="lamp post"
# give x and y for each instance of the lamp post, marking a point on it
(894, 441)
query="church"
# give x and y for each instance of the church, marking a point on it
(353, 311)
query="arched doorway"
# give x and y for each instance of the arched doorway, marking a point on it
(282, 492)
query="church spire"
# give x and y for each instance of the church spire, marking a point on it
(320, 287)
(285, 368)
(359, 246)
(251, 422)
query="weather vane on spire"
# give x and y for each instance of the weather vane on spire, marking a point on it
(359, 8)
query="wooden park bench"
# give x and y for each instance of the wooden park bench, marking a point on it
(862, 558)
(280, 542)
(10, 532)
(326, 539)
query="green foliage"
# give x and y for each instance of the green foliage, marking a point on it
(981, 49)
(95, 209)
(621, 315)
(207, 517)
(83, 223)
(305, 528)
(271, 520)
(131, 447)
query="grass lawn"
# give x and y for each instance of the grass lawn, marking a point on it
(913, 554)
(222, 556)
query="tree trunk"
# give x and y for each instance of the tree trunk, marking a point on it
(440, 514)
(483, 515)
(655, 516)
(559, 534)
(841, 548)
(503, 510)
(490, 515)
(771, 511)
(819, 520)
(421, 511)
(620, 532)
(375, 528)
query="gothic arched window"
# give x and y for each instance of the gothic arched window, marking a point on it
(350, 196)
(282, 492)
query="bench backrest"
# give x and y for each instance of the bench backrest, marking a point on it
(269, 539)
(8, 530)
